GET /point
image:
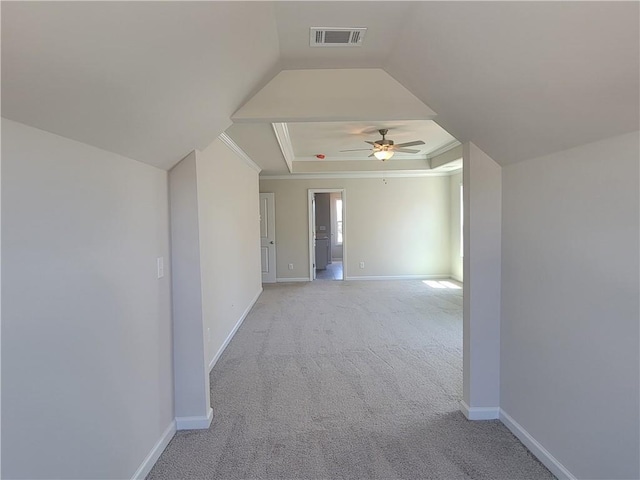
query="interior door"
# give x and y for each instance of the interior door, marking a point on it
(268, 237)
(313, 234)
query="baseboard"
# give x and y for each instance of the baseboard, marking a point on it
(457, 279)
(194, 423)
(398, 277)
(286, 280)
(535, 447)
(234, 330)
(155, 452)
(479, 413)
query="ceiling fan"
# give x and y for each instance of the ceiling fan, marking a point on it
(384, 149)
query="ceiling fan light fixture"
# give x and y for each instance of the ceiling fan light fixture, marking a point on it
(383, 154)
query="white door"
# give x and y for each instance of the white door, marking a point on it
(313, 235)
(268, 237)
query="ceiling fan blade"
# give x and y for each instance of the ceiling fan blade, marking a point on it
(370, 155)
(410, 144)
(405, 150)
(371, 143)
(357, 150)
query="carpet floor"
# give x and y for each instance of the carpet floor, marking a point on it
(346, 380)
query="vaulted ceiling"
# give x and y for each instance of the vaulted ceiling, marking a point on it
(153, 80)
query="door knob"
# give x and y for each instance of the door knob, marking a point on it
(271, 242)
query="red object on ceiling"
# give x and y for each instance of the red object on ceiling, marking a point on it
(320, 156)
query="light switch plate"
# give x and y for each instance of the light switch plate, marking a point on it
(160, 264)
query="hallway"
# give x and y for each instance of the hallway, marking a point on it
(333, 271)
(353, 380)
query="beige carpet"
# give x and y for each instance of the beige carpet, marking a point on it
(354, 380)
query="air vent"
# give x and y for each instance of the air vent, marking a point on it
(336, 37)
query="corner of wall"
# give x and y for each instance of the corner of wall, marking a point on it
(232, 333)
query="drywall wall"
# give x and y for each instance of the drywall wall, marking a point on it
(569, 333)
(397, 227)
(332, 95)
(481, 297)
(229, 219)
(87, 386)
(455, 226)
(192, 397)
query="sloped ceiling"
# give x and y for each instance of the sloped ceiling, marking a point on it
(384, 22)
(148, 80)
(259, 142)
(524, 79)
(153, 80)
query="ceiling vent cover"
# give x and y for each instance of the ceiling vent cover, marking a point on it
(336, 37)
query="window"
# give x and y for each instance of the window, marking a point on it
(338, 221)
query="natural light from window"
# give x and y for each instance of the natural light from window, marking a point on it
(339, 220)
(440, 284)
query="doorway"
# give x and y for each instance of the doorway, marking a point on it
(327, 234)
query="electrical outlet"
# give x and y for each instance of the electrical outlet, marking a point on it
(291, 266)
(361, 264)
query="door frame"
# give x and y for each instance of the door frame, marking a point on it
(311, 193)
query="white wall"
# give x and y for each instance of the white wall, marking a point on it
(191, 376)
(569, 333)
(87, 386)
(398, 228)
(481, 298)
(216, 262)
(229, 217)
(456, 258)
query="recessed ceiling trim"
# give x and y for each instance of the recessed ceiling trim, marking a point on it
(284, 140)
(444, 149)
(342, 175)
(336, 36)
(233, 146)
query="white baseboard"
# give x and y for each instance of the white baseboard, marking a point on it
(398, 277)
(457, 279)
(194, 423)
(479, 413)
(155, 452)
(286, 280)
(535, 447)
(234, 330)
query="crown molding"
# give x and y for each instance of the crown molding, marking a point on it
(233, 146)
(340, 175)
(444, 149)
(284, 140)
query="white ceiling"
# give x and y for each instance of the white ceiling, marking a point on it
(153, 80)
(384, 22)
(258, 141)
(148, 80)
(524, 79)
